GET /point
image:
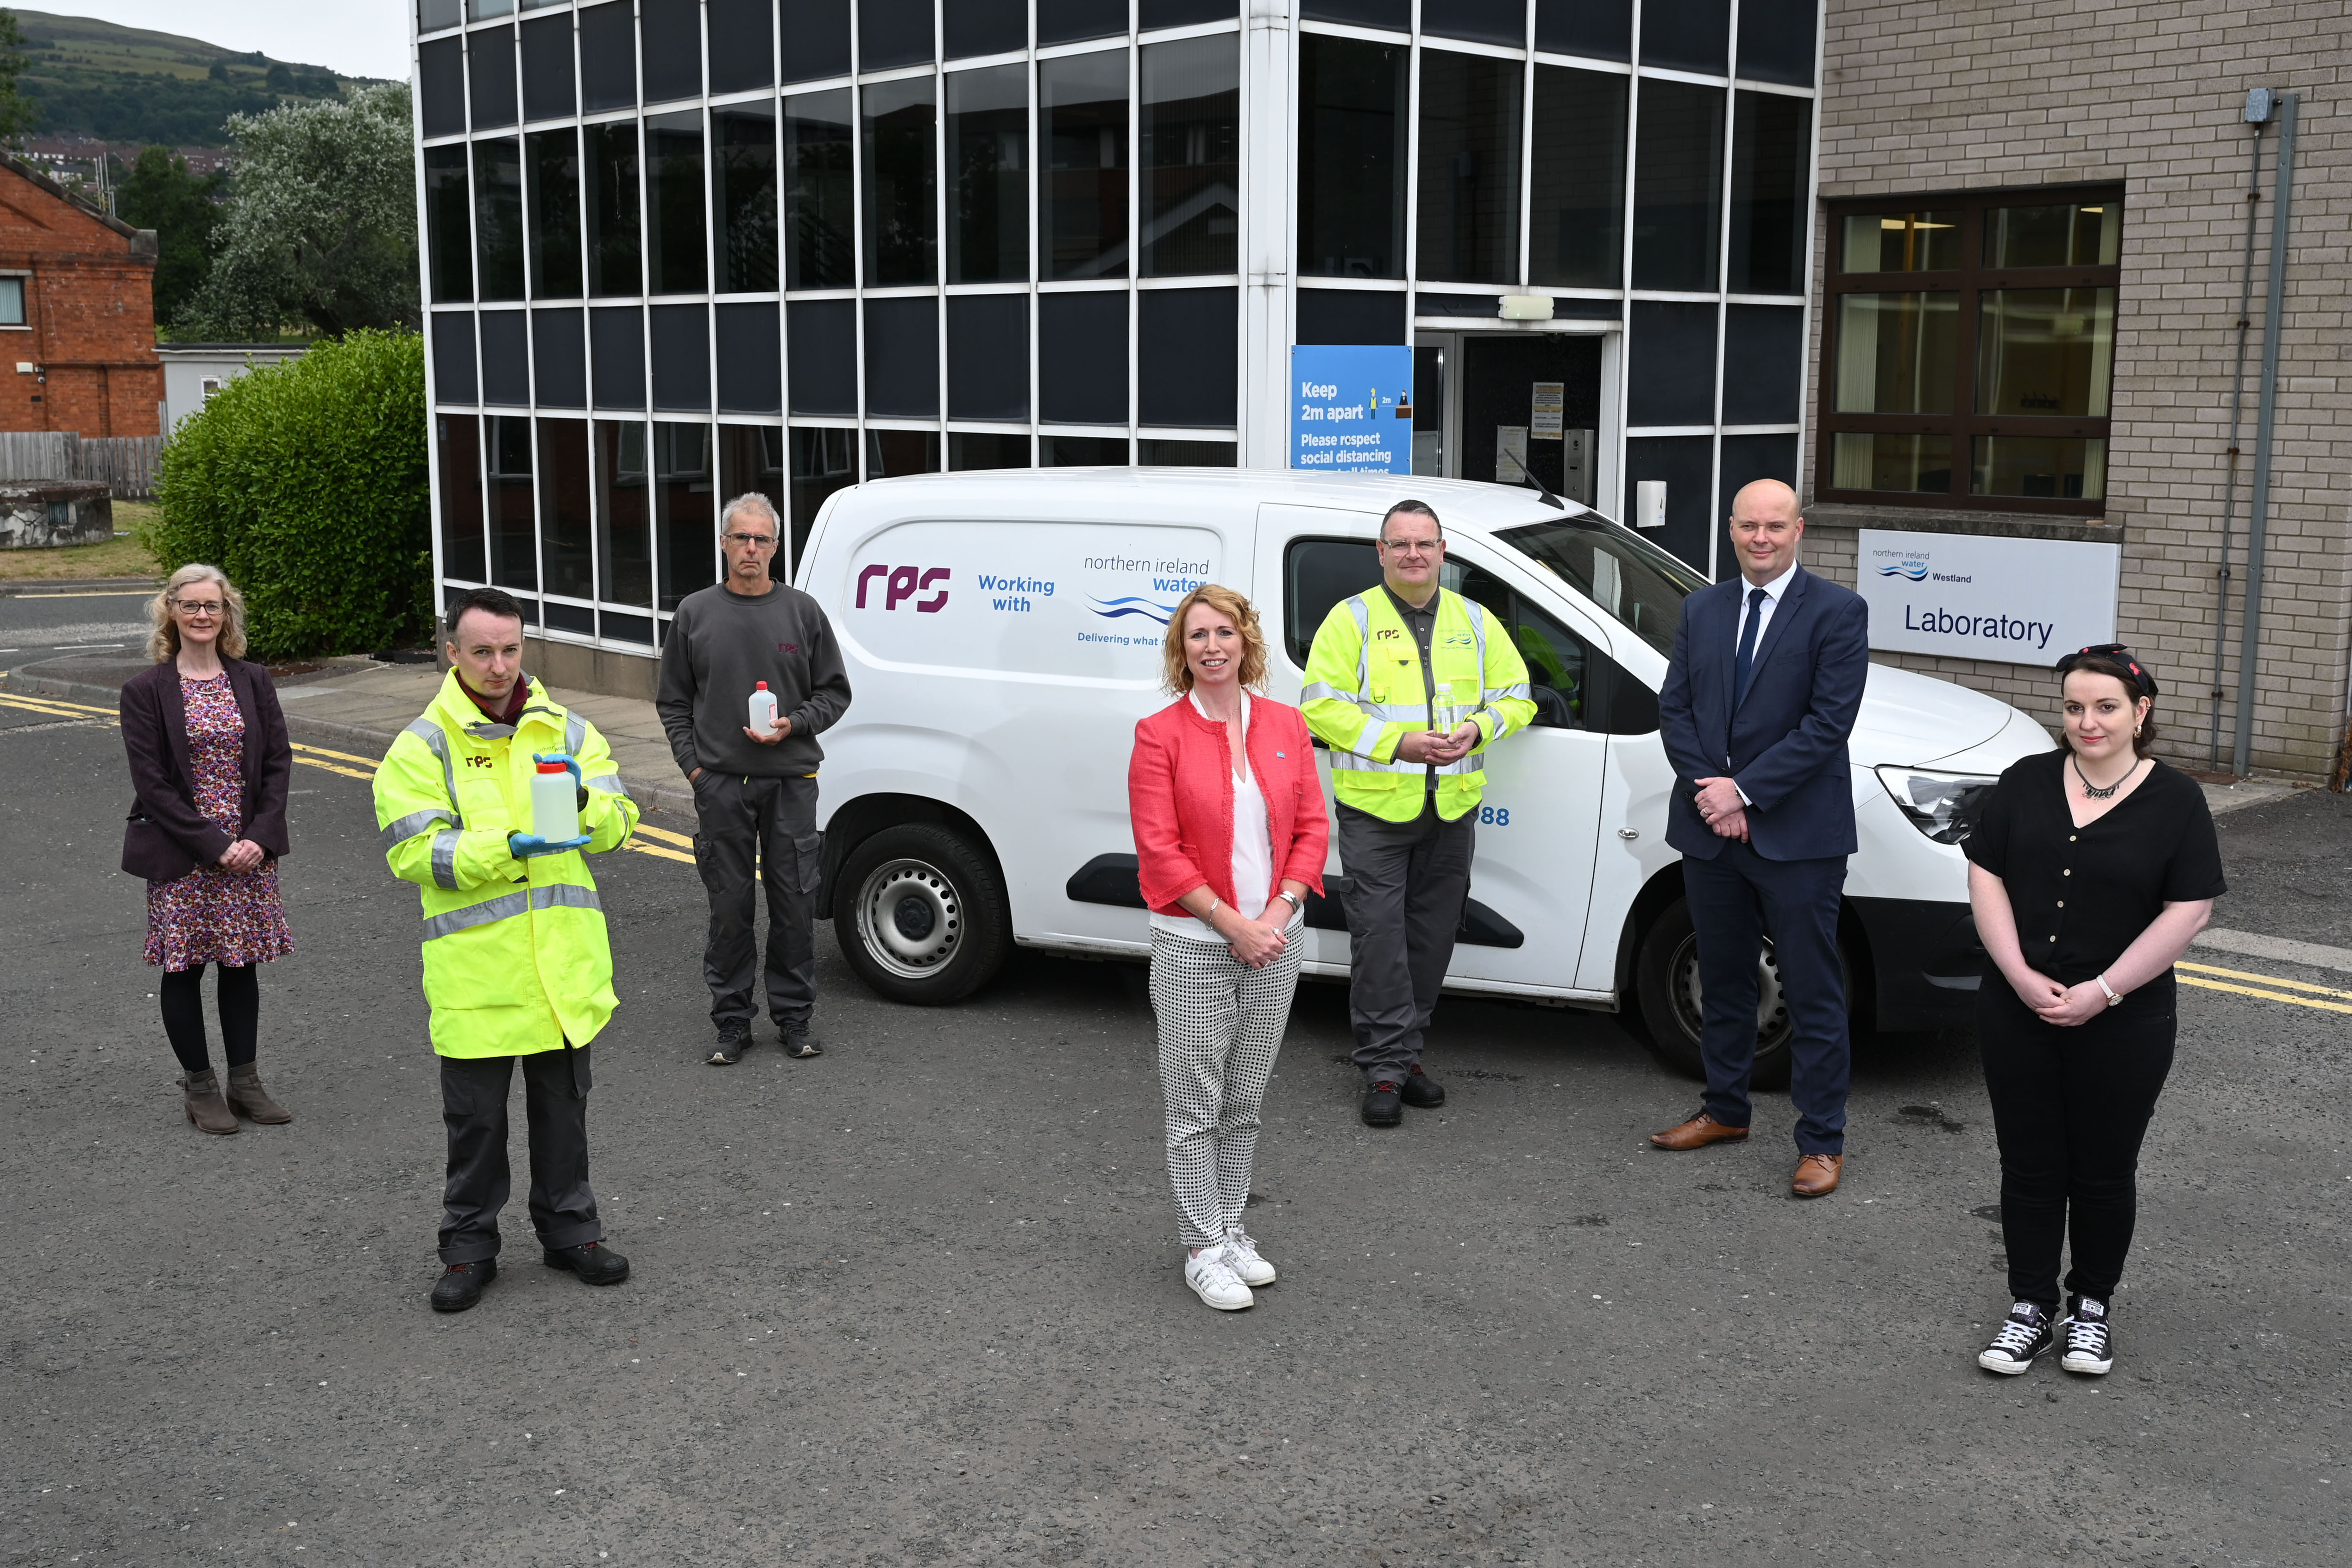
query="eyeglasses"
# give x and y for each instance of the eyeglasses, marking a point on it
(762, 540)
(197, 606)
(1413, 546)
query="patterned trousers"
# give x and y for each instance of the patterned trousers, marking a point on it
(1219, 1029)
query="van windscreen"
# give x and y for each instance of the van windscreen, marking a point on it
(1617, 569)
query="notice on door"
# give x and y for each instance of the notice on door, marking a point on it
(1351, 408)
(2015, 601)
(1511, 455)
(1547, 419)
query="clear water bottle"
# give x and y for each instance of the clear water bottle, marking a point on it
(764, 709)
(554, 804)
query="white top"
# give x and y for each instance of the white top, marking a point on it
(1252, 865)
(1772, 592)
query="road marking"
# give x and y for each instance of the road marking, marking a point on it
(83, 646)
(656, 849)
(91, 594)
(2278, 949)
(2265, 996)
(667, 836)
(53, 711)
(2270, 980)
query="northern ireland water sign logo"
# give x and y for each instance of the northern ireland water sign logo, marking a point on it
(1914, 570)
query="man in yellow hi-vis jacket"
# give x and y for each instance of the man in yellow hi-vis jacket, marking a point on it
(515, 961)
(1408, 684)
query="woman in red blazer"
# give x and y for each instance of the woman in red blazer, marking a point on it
(1230, 837)
(209, 768)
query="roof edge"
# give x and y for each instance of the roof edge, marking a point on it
(142, 240)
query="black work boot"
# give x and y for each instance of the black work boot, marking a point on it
(595, 1263)
(461, 1285)
(732, 1038)
(1383, 1108)
(1421, 1090)
(797, 1040)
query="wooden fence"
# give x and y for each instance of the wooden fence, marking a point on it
(126, 464)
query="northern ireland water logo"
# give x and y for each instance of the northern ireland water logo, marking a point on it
(1917, 570)
(1131, 605)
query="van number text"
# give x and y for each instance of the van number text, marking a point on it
(1494, 816)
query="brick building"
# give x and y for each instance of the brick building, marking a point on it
(1935, 111)
(78, 305)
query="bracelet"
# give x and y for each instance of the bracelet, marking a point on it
(1287, 894)
(2114, 996)
(1214, 904)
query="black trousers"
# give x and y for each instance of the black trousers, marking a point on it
(474, 1109)
(759, 833)
(1407, 885)
(2069, 1108)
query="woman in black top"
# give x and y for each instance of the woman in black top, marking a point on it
(2091, 868)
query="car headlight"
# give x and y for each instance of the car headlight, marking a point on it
(1944, 806)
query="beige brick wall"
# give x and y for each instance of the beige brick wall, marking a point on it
(1920, 97)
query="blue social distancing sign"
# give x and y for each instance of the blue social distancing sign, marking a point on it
(1351, 408)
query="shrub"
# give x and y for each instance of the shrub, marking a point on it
(305, 482)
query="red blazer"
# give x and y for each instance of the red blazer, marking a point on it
(1180, 793)
(166, 837)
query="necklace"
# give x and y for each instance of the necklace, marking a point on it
(2091, 791)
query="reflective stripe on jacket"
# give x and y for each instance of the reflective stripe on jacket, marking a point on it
(516, 959)
(1365, 690)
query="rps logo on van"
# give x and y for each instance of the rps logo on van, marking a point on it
(903, 583)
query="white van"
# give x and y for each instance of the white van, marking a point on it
(1002, 635)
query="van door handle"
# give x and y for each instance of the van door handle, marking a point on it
(1629, 832)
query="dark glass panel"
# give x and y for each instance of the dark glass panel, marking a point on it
(1082, 102)
(613, 225)
(1685, 465)
(1191, 156)
(974, 27)
(988, 160)
(1166, 453)
(686, 511)
(1670, 380)
(624, 533)
(1896, 353)
(816, 39)
(497, 218)
(553, 193)
(742, 43)
(988, 449)
(1776, 41)
(565, 525)
(559, 345)
(823, 461)
(608, 57)
(988, 356)
(902, 358)
(1351, 132)
(1687, 35)
(616, 338)
(1152, 14)
(1747, 458)
(1396, 16)
(889, 453)
(820, 226)
(893, 33)
(514, 545)
(453, 357)
(547, 69)
(672, 31)
(1899, 242)
(750, 359)
(681, 357)
(1082, 358)
(463, 553)
(1083, 452)
(1469, 208)
(505, 358)
(572, 619)
(441, 86)
(490, 77)
(1501, 22)
(2063, 234)
(434, 14)
(1187, 357)
(1576, 209)
(1352, 316)
(1677, 185)
(1597, 29)
(1074, 21)
(752, 462)
(618, 628)
(2045, 350)
(1771, 156)
(821, 352)
(2040, 467)
(674, 205)
(1763, 363)
(901, 219)
(745, 232)
(450, 224)
(1911, 464)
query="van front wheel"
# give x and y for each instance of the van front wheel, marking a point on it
(1667, 973)
(921, 914)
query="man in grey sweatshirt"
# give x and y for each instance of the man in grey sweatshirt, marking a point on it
(754, 791)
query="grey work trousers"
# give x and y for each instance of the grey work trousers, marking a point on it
(757, 833)
(473, 1092)
(1408, 883)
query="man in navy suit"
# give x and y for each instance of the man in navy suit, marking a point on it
(1765, 682)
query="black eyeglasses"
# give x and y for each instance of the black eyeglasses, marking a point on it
(2114, 652)
(763, 540)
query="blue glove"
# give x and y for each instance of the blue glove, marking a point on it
(523, 846)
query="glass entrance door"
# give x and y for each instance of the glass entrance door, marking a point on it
(1514, 408)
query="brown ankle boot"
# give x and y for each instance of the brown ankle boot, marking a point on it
(246, 1094)
(205, 1108)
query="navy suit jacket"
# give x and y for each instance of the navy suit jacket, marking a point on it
(1785, 747)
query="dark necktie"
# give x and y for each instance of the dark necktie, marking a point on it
(1745, 664)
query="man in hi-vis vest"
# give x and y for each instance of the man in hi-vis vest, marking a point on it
(516, 966)
(1407, 684)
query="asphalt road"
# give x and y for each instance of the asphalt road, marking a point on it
(33, 625)
(1505, 1333)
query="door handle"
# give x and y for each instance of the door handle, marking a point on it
(1629, 832)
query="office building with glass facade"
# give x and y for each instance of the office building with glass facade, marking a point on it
(680, 249)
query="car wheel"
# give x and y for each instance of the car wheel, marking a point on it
(921, 914)
(1667, 976)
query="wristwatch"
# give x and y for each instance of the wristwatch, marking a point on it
(2114, 996)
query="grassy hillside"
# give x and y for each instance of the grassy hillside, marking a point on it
(125, 84)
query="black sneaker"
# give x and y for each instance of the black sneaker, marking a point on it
(595, 1263)
(732, 1038)
(1382, 1106)
(1421, 1090)
(2020, 1341)
(797, 1041)
(2090, 1342)
(461, 1285)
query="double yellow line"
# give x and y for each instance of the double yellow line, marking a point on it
(342, 762)
(2343, 1003)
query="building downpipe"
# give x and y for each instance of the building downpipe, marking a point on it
(2265, 420)
(2261, 104)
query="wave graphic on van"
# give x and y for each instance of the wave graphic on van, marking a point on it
(1914, 570)
(1112, 609)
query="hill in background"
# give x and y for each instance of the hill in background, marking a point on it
(126, 85)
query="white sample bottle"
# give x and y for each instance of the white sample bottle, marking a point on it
(764, 709)
(554, 804)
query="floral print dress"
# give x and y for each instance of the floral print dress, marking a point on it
(211, 915)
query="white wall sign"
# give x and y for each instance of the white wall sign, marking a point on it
(2014, 601)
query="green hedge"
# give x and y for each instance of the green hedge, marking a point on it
(306, 482)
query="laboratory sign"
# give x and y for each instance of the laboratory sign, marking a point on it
(2013, 601)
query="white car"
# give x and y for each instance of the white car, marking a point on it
(1003, 633)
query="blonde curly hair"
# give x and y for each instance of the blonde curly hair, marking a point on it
(164, 632)
(1176, 673)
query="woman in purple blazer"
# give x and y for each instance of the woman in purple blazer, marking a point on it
(209, 767)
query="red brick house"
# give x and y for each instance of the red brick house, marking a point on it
(77, 313)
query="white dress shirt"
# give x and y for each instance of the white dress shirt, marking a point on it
(1763, 614)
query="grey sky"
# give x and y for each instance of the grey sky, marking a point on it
(356, 37)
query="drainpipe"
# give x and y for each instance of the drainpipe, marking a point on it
(2261, 104)
(2265, 421)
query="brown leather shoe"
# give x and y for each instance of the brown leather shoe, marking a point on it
(1697, 1133)
(1817, 1175)
(207, 1111)
(244, 1093)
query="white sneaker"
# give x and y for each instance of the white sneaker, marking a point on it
(1214, 1281)
(1241, 1257)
